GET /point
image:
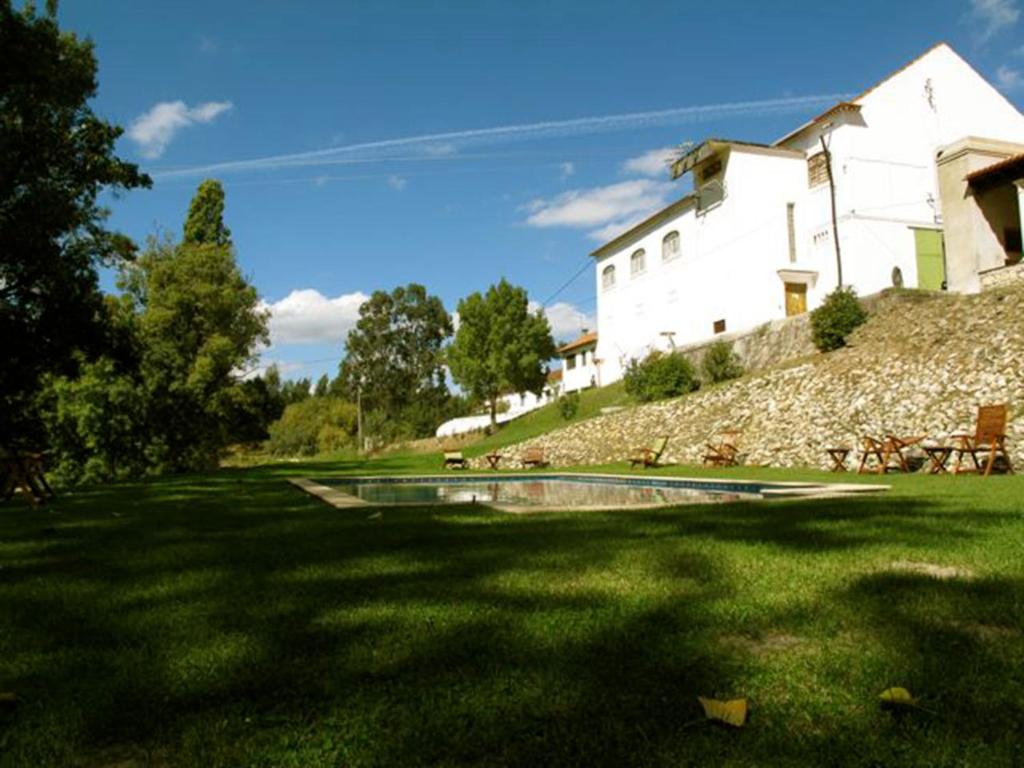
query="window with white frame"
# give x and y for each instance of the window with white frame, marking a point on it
(637, 263)
(670, 246)
(608, 277)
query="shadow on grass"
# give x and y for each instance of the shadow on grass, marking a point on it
(231, 619)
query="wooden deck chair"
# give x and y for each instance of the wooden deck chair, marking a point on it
(649, 457)
(24, 472)
(534, 458)
(725, 453)
(989, 437)
(455, 460)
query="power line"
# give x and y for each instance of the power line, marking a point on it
(567, 283)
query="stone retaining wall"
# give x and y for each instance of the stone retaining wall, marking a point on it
(917, 367)
(1002, 276)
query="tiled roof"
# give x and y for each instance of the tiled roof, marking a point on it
(1010, 169)
(582, 341)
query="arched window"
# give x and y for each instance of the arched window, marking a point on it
(637, 263)
(670, 246)
(608, 277)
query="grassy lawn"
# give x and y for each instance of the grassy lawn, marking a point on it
(228, 619)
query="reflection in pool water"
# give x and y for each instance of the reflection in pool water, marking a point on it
(535, 493)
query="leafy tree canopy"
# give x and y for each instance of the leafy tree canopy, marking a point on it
(394, 354)
(56, 157)
(204, 224)
(500, 346)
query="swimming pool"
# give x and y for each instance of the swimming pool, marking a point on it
(557, 491)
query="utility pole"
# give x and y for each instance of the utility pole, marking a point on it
(359, 415)
(832, 195)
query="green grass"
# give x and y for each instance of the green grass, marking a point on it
(230, 620)
(548, 418)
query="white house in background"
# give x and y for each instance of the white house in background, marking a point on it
(757, 239)
(511, 406)
(579, 364)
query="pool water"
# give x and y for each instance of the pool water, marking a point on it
(530, 492)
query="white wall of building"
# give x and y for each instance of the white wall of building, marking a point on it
(583, 373)
(884, 169)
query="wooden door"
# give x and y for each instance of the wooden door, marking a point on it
(796, 299)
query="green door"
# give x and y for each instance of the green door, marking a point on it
(931, 265)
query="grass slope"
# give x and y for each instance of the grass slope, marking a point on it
(548, 418)
(229, 619)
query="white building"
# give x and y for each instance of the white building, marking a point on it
(757, 238)
(579, 363)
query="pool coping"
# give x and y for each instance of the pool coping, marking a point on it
(780, 490)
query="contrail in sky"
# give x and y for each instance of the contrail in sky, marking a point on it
(437, 145)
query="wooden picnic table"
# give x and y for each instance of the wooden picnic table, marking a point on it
(938, 457)
(838, 457)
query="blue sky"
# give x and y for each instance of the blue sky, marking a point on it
(353, 141)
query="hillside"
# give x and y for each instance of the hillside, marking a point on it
(920, 365)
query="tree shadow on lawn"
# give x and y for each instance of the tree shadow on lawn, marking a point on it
(232, 624)
(956, 643)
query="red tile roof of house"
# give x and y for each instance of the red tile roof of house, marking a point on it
(582, 341)
(1010, 169)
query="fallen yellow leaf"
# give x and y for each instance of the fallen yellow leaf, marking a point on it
(733, 712)
(897, 697)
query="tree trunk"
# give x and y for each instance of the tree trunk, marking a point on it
(494, 413)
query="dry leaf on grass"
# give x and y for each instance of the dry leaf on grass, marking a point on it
(733, 712)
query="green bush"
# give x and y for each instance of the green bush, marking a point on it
(317, 424)
(720, 363)
(660, 375)
(569, 405)
(833, 321)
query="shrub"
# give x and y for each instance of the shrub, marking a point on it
(720, 363)
(833, 321)
(313, 425)
(659, 376)
(569, 405)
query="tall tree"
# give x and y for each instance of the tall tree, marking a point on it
(204, 224)
(500, 346)
(56, 157)
(200, 325)
(393, 358)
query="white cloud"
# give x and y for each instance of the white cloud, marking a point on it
(154, 130)
(565, 170)
(584, 208)
(1008, 78)
(308, 317)
(992, 16)
(654, 162)
(567, 321)
(397, 182)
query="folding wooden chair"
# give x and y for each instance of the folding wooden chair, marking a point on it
(989, 437)
(726, 452)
